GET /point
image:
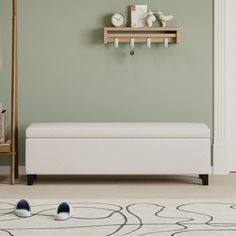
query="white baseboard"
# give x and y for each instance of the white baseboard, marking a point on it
(221, 162)
(5, 170)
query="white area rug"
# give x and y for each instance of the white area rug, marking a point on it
(124, 217)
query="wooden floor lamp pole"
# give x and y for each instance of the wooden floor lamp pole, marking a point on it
(16, 101)
(14, 128)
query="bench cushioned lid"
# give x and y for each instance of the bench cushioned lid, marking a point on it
(118, 130)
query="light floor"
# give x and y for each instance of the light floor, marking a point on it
(120, 187)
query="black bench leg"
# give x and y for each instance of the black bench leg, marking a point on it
(30, 179)
(205, 179)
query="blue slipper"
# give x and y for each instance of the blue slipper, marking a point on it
(22, 209)
(64, 212)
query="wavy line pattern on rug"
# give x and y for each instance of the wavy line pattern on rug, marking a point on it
(120, 218)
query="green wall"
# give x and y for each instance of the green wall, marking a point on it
(67, 74)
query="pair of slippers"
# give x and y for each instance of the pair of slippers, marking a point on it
(23, 209)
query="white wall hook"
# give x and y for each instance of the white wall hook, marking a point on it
(166, 42)
(116, 42)
(149, 43)
(132, 42)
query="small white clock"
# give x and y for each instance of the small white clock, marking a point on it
(118, 20)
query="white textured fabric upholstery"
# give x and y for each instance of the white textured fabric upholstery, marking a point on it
(118, 130)
(117, 156)
(118, 148)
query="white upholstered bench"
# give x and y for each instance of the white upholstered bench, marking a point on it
(117, 149)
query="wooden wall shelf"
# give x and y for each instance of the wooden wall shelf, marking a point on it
(5, 148)
(157, 34)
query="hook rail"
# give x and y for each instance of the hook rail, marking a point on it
(141, 35)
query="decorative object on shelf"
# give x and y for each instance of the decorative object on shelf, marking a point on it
(150, 18)
(118, 20)
(165, 35)
(138, 15)
(163, 18)
(3, 127)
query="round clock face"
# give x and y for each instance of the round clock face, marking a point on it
(118, 20)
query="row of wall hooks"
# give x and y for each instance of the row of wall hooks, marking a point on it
(149, 42)
(146, 35)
